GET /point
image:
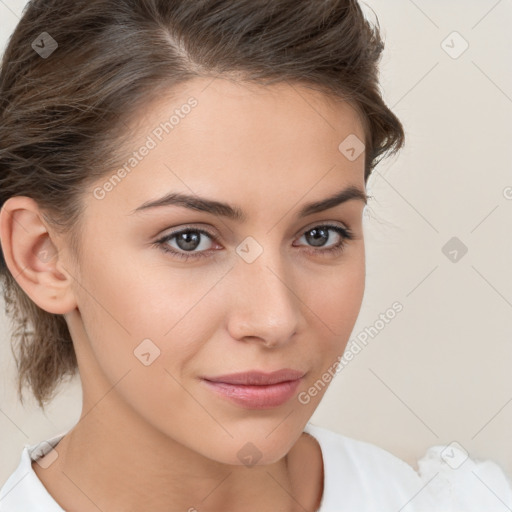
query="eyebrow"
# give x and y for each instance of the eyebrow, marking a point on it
(236, 214)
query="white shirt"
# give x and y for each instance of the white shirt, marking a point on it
(358, 477)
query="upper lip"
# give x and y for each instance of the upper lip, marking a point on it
(258, 378)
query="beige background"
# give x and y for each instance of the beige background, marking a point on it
(440, 370)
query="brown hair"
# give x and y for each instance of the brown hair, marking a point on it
(63, 115)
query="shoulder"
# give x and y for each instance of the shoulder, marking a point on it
(465, 483)
(357, 455)
(365, 477)
(23, 490)
(371, 478)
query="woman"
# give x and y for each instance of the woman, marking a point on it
(182, 189)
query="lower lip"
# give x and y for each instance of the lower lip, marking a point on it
(256, 397)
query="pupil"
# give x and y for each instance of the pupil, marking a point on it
(188, 241)
(316, 235)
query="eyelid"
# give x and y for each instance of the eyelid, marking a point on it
(323, 223)
(187, 227)
(215, 235)
(341, 229)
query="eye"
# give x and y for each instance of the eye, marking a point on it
(318, 235)
(189, 239)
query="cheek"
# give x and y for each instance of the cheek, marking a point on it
(131, 309)
(335, 301)
(143, 326)
(336, 296)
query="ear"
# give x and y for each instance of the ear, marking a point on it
(33, 257)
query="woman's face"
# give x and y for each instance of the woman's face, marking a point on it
(262, 290)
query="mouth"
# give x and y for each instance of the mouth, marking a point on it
(256, 389)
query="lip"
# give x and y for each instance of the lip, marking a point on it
(258, 378)
(256, 389)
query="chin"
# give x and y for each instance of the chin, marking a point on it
(257, 446)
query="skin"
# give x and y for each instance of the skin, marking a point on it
(154, 437)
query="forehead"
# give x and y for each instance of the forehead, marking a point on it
(219, 138)
(233, 112)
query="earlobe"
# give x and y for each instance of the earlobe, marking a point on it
(32, 256)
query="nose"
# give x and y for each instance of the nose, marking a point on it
(264, 305)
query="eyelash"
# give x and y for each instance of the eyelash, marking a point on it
(346, 235)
